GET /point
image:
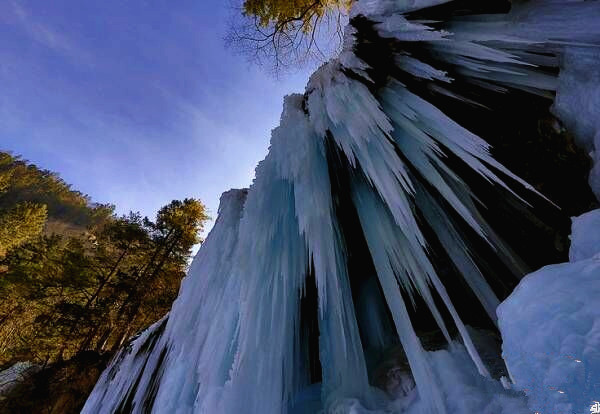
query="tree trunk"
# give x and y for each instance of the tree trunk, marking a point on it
(135, 292)
(89, 338)
(108, 278)
(103, 340)
(122, 338)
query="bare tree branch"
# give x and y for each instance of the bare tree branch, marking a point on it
(311, 35)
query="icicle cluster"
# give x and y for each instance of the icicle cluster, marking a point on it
(233, 341)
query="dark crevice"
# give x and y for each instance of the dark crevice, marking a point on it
(359, 262)
(525, 137)
(154, 383)
(456, 8)
(309, 328)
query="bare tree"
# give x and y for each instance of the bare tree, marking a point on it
(306, 33)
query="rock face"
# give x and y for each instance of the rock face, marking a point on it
(550, 327)
(61, 388)
(15, 375)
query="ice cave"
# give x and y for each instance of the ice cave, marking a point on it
(407, 243)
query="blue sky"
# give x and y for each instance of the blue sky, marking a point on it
(134, 102)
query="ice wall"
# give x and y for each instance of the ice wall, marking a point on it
(363, 145)
(172, 352)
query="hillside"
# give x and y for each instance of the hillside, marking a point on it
(68, 210)
(77, 281)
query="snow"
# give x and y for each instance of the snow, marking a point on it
(585, 237)
(464, 391)
(232, 341)
(467, 392)
(14, 375)
(550, 328)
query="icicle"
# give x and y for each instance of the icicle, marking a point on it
(387, 236)
(304, 163)
(346, 109)
(457, 251)
(213, 293)
(232, 340)
(409, 108)
(271, 266)
(368, 211)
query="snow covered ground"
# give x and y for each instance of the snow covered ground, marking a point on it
(550, 328)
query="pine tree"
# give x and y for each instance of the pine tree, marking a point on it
(176, 230)
(76, 277)
(20, 224)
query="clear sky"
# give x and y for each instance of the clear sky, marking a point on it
(134, 102)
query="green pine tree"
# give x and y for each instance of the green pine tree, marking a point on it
(20, 224)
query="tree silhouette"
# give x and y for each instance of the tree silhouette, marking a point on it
(282, 34)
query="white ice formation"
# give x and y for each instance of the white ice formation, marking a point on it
(550, 328)
(362, 156)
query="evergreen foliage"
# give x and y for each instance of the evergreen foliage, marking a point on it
(22, 181)
(20, 224)
(94, 283)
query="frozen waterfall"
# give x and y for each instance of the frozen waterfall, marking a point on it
(332, 257)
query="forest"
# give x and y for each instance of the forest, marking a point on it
(77, 280)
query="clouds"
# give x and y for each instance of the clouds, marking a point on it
(135, 104)
(34, 27)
